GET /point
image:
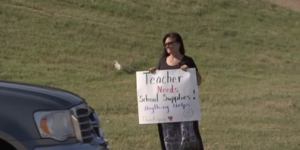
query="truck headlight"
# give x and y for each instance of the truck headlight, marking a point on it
(54, 124)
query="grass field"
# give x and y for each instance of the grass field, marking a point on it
(246, 50)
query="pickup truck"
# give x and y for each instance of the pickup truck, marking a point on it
(36, 117)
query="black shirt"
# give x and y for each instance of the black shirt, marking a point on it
(186, 60)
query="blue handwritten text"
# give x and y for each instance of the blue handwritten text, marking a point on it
(157, 107)
(181, 105)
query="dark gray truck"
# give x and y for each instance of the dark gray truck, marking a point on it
(35, 117)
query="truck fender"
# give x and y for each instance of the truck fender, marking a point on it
(19, 128)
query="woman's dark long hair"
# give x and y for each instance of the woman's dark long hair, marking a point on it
(177, 38)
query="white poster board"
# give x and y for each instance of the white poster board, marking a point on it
(167, 96)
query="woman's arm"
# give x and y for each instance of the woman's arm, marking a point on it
(199, 78)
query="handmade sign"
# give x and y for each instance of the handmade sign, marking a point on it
(167, 96)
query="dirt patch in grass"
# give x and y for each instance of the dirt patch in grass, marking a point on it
(292, 4)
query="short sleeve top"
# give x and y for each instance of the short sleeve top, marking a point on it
(186, 60)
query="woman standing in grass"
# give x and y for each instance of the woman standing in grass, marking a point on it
(178, 135)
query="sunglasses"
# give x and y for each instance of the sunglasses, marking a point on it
(169, 43)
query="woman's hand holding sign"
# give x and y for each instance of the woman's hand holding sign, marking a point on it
(152, 70)
(199, 79)
(184, 67)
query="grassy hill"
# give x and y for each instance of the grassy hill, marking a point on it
(246, 50)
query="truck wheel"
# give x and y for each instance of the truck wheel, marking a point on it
(6, 145)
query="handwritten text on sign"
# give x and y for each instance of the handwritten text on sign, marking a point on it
(167, 96)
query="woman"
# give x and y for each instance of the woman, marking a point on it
(179, 135)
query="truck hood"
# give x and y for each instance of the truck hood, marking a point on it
(37, 97)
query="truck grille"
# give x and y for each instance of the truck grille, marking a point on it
(84, 124)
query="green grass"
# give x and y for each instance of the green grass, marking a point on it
(246, 50)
